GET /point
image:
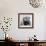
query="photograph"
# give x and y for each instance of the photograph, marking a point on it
(25, 20)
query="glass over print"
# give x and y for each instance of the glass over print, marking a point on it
(25, 20)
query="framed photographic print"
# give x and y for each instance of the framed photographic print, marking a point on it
(25, 20)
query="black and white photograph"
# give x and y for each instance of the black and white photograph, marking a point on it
(25, 20)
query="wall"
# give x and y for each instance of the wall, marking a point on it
(11, 8)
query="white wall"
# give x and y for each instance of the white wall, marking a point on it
(11, 8)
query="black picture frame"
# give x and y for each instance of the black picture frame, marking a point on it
(21, 17)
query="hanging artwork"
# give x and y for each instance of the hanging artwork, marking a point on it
(25, 20)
